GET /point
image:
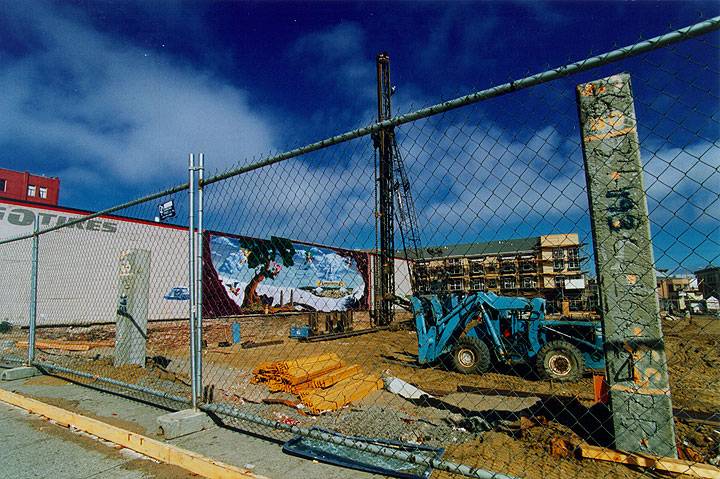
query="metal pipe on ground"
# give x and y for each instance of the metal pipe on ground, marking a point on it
(113, 382)
(463, 469)
(12, 359)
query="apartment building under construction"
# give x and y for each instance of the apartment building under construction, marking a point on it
(550, 266)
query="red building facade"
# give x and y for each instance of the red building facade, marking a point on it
(24, 186)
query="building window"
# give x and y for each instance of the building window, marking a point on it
(557, 253)
(507, 267)
(476, 267)
(3, 184)
(492, 283)
(421, 269)
(527, 266)
(573, 259)
(454, 266)
(31, 190)
(43, 193)
(558, 265)
(508, 283)
(455, 285)
(559, 281)
(477, 285)
(529, 283)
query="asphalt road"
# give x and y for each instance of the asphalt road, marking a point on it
(31, 447)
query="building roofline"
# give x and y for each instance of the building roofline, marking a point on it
(25, 172)
(707, 269)
(76, 211)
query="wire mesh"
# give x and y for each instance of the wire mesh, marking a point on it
(514, 349)
(502, 205)
(15, 261)
(112, 300)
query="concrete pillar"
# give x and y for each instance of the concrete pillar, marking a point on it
(634, 350)
(132, 311)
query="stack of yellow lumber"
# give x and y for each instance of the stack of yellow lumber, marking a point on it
(287, 376)
(341, 394)
(324, 382)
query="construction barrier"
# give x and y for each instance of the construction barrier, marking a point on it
(519, 282)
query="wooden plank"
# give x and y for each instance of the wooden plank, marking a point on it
(334, 377)
(667, 464)
(341, 394)
(67, 345)
(161, 451)
(259, 344)
(296, 376)
(305, 362)
(55, 345)
(561, 447)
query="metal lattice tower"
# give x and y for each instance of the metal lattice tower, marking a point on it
(393, 186)
(385, 216)
(407, 218)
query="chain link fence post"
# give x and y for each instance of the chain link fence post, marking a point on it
(199, 275)
(33, 292)
(191, 280)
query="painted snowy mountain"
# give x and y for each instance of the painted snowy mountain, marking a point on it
(314, 269)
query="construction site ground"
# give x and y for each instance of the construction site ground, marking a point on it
(511, 446)
(34, 447)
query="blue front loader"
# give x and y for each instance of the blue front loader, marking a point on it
(480, 329)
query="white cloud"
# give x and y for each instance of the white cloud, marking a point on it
(134, 117)
(338, 58)
(125, 113)
(339, 42)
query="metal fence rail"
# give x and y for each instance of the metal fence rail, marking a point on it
(510, 279)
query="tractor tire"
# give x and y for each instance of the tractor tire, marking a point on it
(471, 355)
(560, 361)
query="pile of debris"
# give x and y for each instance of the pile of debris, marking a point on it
(323, 383)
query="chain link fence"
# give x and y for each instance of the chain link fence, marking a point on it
(111, 306)
(16, 263)
(516, 283)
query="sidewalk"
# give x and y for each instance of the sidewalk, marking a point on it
(31, 447)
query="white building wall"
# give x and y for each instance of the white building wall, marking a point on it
(403, 287)
(78, 267)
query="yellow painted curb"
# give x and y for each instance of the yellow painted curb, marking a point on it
(161, 451)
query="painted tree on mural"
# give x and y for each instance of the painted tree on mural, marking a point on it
(262, 256)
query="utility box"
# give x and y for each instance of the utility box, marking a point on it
(132, 310)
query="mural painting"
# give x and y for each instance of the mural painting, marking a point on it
(250, 275)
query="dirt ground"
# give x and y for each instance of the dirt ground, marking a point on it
(502, 443)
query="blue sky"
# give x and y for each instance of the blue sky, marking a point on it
(111, 96)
